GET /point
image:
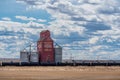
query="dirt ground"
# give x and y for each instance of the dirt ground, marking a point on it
(60, 73)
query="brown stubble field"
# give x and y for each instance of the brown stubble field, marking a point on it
(60, 73)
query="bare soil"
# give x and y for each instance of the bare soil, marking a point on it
(60, 73)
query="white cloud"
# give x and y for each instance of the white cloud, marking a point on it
(95, 48)
(87, 10)
(41, 20)
(18, 26)
(70, 18)
(65, 28)
(15, 36)
(6, 18)
(93, 40)
(73, 16)
(25, 18)
(29, 19)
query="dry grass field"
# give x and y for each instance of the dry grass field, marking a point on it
(60, 73)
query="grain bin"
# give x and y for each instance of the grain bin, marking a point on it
(24, 56)
(58, 54)
(34, 57)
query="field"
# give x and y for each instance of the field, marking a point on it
(60, 73)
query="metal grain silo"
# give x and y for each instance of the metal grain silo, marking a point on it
(34, 57)
(24, 56)
(58, 54)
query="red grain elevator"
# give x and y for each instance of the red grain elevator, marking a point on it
(45, 47)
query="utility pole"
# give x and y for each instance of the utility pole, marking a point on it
(30, 48)
(30, 51)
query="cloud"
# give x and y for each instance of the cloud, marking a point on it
(15, 36)
(66, 28)
(25, 18)
(6, 19)
(97, 21)
(41, 20)
(93, 40)
(93, 25)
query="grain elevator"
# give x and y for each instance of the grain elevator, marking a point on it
(46, 51)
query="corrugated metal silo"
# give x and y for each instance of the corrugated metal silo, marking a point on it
(34, 57)
(24, 56)
(58, 54)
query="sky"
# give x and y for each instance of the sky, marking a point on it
(86, 29)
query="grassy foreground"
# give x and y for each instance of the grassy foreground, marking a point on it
(60, 73)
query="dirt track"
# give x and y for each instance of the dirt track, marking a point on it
(60, 73)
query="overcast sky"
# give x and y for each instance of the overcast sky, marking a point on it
(86, 29)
